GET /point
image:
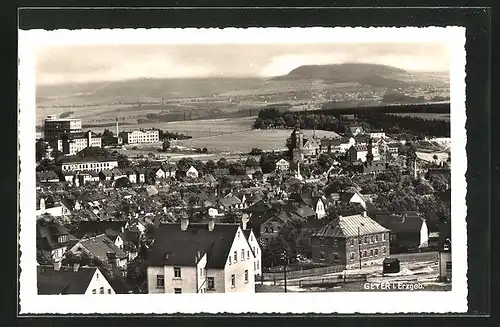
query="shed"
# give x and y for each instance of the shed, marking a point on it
(391, 265)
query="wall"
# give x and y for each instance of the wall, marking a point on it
(320, 209)
(424, 234)
(333, 250)
(445, 257)
(238, 268)
(98, 281)
(257, 252)
(152, 272)
(358, 199)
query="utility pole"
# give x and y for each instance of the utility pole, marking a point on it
(359, 247)
(284, 258)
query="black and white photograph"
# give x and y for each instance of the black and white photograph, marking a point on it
(307, 166)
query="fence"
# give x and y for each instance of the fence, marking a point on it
(302, 273)
(323, 281)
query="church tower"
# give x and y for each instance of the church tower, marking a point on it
(369, 148)
(297, 143)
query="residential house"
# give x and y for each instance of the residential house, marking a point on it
(283, 165)
(356, 130)
(102, 248)
(73, 280)
(310, 150)
(67, 176)
(117, 174)
(254, 244)
(351, 242)
(348, 197)
(192, 173)
(56, 209)
(229, 203)
(52, 239)
(131, 174)
(409, 231)
(47, 177)
(106, 175)
(373, 166)
(200, 258)
(317, 203)
(140, 176)
(114, 230)
(377, 134)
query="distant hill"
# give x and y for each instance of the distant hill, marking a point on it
(365, 74)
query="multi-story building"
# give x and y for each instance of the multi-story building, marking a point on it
(70, 144)
(89, 159)
(200, 258)
(54, 128)
(141, 136)
(254, 244)
(351, 242)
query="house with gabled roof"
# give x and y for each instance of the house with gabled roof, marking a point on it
(72, 280)
(52, 238)
(351, 242)
(200, 258)
(254, 245)
(409, 231)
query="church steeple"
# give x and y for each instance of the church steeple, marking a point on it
(369, 155)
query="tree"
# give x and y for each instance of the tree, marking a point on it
(41, 149)
(325, 160)
(222, 163)
(338, 184)
(256, 152)
(272, 250)
(137, 272)
(424, 187)
(123, 161)
(108, 138)
(230, 218)
(166, 145)
(204, 150)
(184, 164)
(251, 162)
(122, 182)
(267, 163)
(57, 155)
(237, 168)
(210, 165)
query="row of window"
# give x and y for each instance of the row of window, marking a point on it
(371, 253)
(368, 239)
(235, 256)
(160, 281)
(91, 165)
(101, 291)
(233, 279)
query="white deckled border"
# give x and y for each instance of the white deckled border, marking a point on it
(336, 302)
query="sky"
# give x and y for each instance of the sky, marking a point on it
(81, 64)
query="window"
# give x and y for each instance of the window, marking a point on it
(177, 272)
(322, 242)
(238, 234)
(371, 253)
(366, 240)
(271, 230)
(365, 254)
(376, 252)
(448, 266)
(242, 254)
(109, 290)
(235, 256)
(248, 254)
(257, 251)
(246, 276)
(383, 237)
(383, 250)
(160, 281)
(229, 260)
(351, 256)
(322, 256)
(94, 291)
(351, 242)
(376, 238)
(371, 239)
(201, 272)
(257, 264)
(210, 283)
(233, 281)
(178, 290)
(101, 290)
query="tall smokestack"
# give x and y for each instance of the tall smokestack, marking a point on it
(244, 221)
(117, 132)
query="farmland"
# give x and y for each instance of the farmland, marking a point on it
(243, 142)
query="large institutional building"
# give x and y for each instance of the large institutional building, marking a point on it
(65, 135)
(141, 136)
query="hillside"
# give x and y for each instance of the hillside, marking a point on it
(364, 74)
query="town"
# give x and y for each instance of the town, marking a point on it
(317, 214)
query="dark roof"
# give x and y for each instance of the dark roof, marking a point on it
(47, 175)
(106, 173)
(407, 223)
(93, 228)
(64, 281)
(99, 246)
(183, 246)
(47, 233)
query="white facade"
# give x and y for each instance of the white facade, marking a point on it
(356, 198)
(377, 135)
(424, 234)
(141, 136)
(320, 209)
(283, 165)
(99, 284)
(254, 244)
(192, 172)
(236, 276)
(90, 165)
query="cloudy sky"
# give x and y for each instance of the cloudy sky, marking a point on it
(74, 64)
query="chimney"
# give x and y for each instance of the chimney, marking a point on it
(364, 213)
(211, 224)
(57, 265)
(184, 223)
(42, 204)
(340, 216)
(244, 221)
(76, 266)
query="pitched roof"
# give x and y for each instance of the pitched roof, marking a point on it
(348, 227)
(47, 175)
(183, 246)
(64, 281)
(407, 223)
(99, 246)
(110, 228)
(47, 233)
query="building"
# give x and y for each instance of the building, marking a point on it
(296, 144)
(409, 231)
(73, 280)
(47, 177)
(356, 130)
(351, 242)
(283, 165)
(54, 128)
(445, 262)
(70, 144)
(200, 258)
(141, 136)
(52, 239)
(192, 172)
(348, 197)
(89, 159)
(102, 248)
(254, 245)
(377, 134)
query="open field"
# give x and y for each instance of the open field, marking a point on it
(429, 116)
(243, 142)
